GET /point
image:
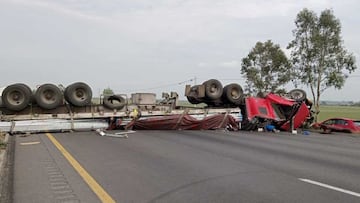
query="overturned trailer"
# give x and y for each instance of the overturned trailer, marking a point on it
(55, 108)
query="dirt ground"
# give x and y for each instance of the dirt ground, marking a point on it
(2, 138)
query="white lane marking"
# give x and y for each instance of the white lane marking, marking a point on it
(29, 143)
(331, 187)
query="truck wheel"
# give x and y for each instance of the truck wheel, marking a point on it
(297, 94)
(48, 96)
(78, 94)
(114, 102)
(213, 89)
(193, 100)
(233, 93)
(247, 125)
(16, 97)
(261, 94)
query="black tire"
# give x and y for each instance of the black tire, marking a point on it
(326, 131)
(48, 96)
(16, 97)
(233, 93)
(213, 89)
(193, 100)
(78, 94)
(297, 94)
(248, 126)
(193, 96)
(261, 94)
(114, 102)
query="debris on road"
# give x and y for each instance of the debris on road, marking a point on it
(118, 134)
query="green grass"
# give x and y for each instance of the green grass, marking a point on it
(338, 111)
(185, 103)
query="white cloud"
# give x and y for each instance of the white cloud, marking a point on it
(203, 65)
(231, 64)
(63, 9)
(148, 40)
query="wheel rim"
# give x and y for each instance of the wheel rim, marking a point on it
(235, 93)
(80, 94)
(297, 95)
(48, 96)
(16, 97)
(213, 88)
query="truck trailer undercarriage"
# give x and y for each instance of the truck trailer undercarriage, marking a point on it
(56, 108)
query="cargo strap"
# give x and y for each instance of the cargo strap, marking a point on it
(186, 111)
(224, 119)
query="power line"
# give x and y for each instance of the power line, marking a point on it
(195, 82)
(182, 82)
(163, 86)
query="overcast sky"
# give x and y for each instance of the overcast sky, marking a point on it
(152, 46)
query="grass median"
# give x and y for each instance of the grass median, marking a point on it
(327, 111)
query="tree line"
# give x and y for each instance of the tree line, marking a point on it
(318, 58)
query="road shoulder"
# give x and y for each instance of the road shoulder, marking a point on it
(6, 168)
(38, 161)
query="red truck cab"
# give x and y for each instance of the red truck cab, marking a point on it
(276, 110)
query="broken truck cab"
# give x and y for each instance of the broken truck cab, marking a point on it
(285, 113)
(282, 112)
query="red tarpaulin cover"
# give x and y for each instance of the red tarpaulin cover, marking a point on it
(185, 122)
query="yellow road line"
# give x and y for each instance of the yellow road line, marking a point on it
(96, 188)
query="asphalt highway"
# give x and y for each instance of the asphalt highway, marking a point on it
(187, 166)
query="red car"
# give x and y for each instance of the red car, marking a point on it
(340, 125)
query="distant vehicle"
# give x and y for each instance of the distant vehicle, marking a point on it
(340, 125)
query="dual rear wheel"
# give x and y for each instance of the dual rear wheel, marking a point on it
(17, 97)
(216, 95)
(48, 96)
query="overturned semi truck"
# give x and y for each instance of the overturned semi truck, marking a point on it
(285, 112)
(51, 107)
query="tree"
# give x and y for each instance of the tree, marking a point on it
(265, 68)
(357, 104)
(108, 91)
(319, 59)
